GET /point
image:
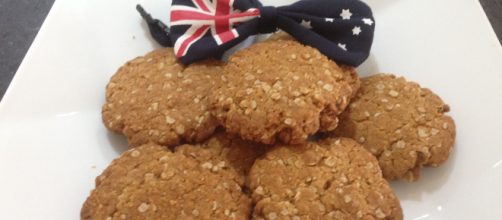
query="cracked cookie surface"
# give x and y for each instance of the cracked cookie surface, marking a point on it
(156, 99)
(402, 124)
(151, 182)
(334, 178)
(280, 90)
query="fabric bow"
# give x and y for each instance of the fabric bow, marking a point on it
(199, 29)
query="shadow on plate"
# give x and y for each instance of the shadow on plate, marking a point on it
(369, 67)
(431, 180)
(117, 141)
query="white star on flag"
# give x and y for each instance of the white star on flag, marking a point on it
(368, 21)
(330, 19)
(356, 30)
(306, 24)
(342, 46)
(345, 14)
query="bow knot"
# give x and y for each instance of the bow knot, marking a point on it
(268, 19)
(200, 29)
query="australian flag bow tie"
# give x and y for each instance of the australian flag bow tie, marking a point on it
(199, 29)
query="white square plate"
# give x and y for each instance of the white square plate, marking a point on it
(53, 144)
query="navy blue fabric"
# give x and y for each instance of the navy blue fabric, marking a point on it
(158, 30)
(346, 39)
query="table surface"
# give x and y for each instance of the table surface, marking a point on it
(18, 31)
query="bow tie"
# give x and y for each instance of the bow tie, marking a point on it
(200, 29)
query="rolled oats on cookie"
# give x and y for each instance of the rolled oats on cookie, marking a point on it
(151, 182)
(349, 72)
(156, 99)
(402, 124)
(237, 153)
(334, 178)
(280, 90)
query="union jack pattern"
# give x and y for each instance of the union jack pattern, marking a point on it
(219, 16)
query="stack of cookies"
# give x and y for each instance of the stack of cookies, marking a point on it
(277, 132)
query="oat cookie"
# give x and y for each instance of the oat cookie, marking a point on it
(151, 182)
(402, 124)
(279, 89)
(330, 179)
(156, 99)
(238, 154)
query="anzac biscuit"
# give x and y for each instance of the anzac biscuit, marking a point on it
(402, 124)
(156, 99)
(329, 179)
(280, 89)
(151, 182)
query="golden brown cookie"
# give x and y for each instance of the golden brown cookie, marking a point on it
(330, 179)
(156, 99)
(280, 89)
(150, 182)
(402, 124)
(350, 73)
(238, 154)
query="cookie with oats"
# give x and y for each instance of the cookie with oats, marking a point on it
(156, 99)
(151, 182)
(329, 179)
(238, 154)
(279, 90)
(402, 124)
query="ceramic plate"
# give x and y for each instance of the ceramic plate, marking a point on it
(53, 144)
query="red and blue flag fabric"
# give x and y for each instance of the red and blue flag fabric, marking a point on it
(200, 29)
